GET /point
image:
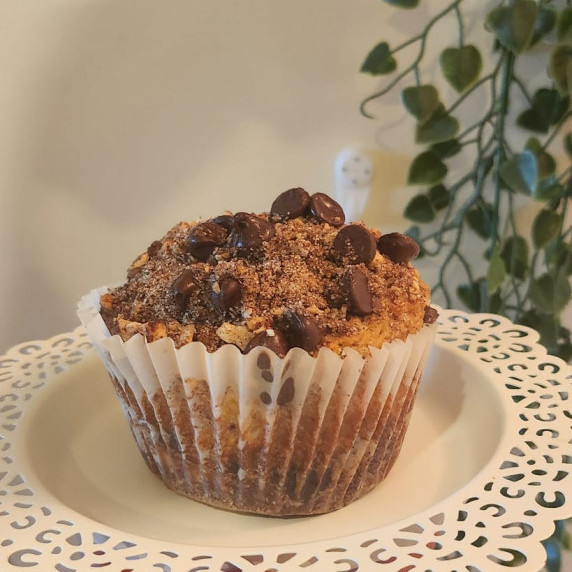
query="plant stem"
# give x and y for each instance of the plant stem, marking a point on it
(461, 26)
(516, 287)
(564, 174)
(523, 89)
(422, 39)
(556, 130)
(500, 152)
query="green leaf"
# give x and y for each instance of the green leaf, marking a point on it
(403, 3)
(551, 295)
(447, 149)
(562, 292)
(420, 209)
(564, 25)
(545, 227)
(532, 120)
(439, 127)
(561, 67)
(564, 352)
(560, 109)
(496, 273)
(551, 104)
(533, 144)
(568, 144)
(515, 256)
(541, 293)
(545, 162)
(421, 101)
(470, 294)
(545, 22)
(495, 303)
(426, 169)
(462, 66)
(558, 257)
(520, 172)
(566, 261)
(480, 219)
(379, 61)
(557, 341)
(548, 189)
(545, 324)
(546, 110)
(439, 196)
(513, 25)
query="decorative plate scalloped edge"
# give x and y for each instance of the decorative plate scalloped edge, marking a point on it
(496, 521)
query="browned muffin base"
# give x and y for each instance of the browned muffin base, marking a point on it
(293, 469)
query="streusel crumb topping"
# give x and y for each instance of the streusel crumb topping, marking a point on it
(296, 276)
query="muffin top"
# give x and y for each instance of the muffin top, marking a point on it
(297, 276)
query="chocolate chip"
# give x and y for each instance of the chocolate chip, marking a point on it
(154, 248)
(265, 228)
(204, 238)
(301, 331)
(246, 233)
(277, 343)
(286, 393)
(430, 315)
(224, 220)
(226, 294)
(324, 208)
(354, 244)
(357, 292)
(290, 204)
(398, 247)
(183, 287)
(265, 398)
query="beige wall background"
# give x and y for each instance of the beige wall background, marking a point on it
(119, 118)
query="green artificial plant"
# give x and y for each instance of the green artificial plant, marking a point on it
(524, 275)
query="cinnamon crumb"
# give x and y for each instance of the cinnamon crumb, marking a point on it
(293, 271)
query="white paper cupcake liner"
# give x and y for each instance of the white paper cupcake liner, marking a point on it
(256, 433)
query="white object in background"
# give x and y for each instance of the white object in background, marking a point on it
(353, 175)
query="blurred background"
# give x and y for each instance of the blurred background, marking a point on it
(119, 118)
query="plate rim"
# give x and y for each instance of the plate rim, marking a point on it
(36, 405)
(457, 332)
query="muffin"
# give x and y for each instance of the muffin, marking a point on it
(268, 363)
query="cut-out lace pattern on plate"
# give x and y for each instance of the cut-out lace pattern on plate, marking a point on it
(497, 521)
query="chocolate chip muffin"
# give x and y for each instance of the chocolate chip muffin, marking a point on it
(268, 363)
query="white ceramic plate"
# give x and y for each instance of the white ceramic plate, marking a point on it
(484, 472)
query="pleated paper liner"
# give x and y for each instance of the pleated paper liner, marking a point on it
(259, 434)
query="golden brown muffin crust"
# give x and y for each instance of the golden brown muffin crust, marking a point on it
(297, 269)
